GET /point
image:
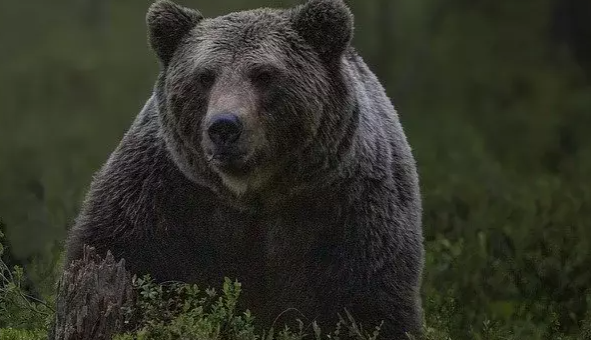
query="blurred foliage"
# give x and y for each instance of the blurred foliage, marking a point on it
(496, 107)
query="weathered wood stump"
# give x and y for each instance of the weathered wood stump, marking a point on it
(90, 297)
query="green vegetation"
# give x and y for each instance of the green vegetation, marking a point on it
(496, 109)
(22, 334)
(21, 315)
(179, 310)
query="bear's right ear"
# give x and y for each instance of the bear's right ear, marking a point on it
(167, 24)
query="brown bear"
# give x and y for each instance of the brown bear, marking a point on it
(269, 153)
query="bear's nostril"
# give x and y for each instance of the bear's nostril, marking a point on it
(224, 129)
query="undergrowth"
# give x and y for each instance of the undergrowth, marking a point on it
(176, 310)
(18, 309)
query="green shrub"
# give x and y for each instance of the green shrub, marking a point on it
(22, 334)
(17, 308)
(29, 317)
(175, 310)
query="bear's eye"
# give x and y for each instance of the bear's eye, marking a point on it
(264, 74)
(205, 78)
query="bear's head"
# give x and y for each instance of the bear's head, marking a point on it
(253, 101)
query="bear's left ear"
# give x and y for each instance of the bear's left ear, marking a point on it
(167, 24)
(327, 25)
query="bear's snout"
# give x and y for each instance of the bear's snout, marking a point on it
(226, 143)
(224, 130)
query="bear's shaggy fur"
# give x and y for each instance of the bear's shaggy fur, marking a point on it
(315, 207)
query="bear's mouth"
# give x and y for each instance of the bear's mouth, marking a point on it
(231, 163)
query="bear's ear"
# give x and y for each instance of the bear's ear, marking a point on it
(327, 25)
(167, 24)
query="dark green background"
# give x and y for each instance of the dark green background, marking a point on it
(495, 98)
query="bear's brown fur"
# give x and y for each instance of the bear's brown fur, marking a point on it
(270, 153)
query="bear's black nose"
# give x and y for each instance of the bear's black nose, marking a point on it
(224, 129)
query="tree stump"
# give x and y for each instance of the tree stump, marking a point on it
(90, 297)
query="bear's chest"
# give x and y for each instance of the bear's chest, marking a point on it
(282, 258)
